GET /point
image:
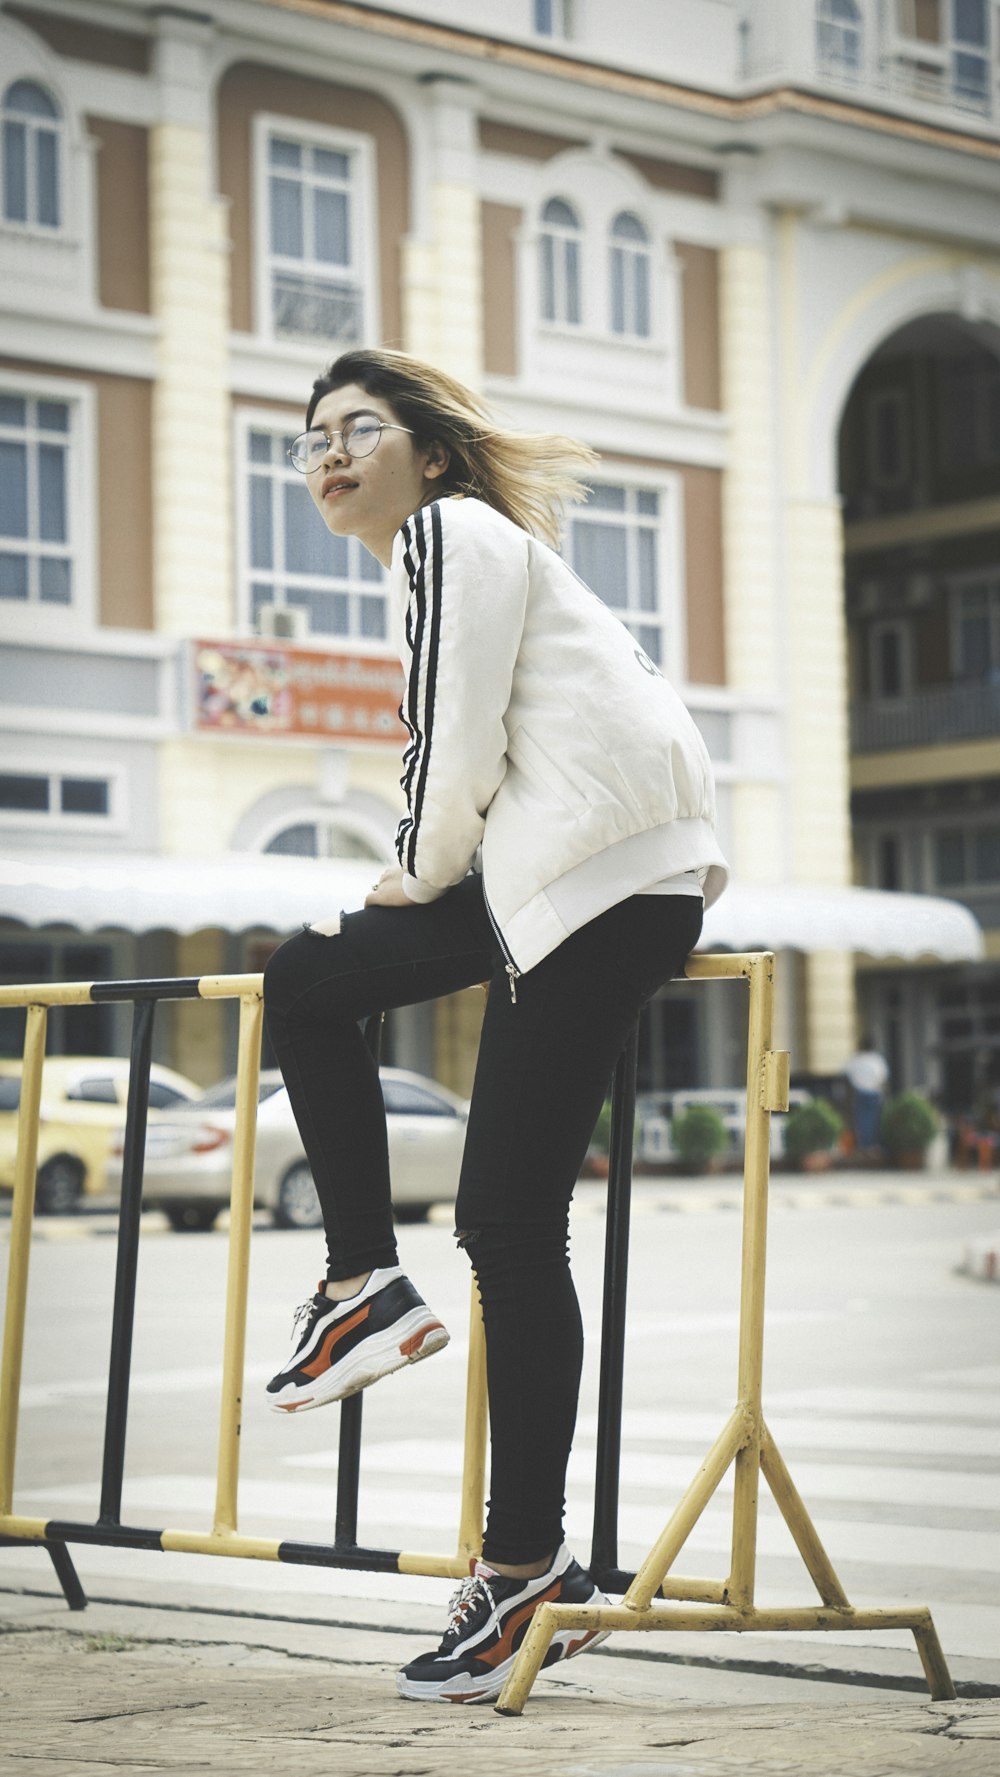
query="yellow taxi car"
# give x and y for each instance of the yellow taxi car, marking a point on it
(84, 1099)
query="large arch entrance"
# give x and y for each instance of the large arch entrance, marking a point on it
(919, 477)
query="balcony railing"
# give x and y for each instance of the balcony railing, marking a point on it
(967, 711)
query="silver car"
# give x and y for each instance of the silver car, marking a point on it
(189, 1159)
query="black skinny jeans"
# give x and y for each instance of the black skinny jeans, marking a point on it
(543, 1071)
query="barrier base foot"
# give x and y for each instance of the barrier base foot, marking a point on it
(62, 1561)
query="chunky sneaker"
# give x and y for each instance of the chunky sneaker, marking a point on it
(489, 1618)
(340, 1347)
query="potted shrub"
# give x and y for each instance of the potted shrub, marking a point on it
(599, 1152)
(909, 1125)
(699, 1135)
(810, 1134)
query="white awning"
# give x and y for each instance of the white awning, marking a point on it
(798, 916)
(239, 891)
(246, 891)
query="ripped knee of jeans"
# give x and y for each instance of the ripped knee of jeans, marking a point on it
(466, 1237)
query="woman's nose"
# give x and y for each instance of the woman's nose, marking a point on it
(335, 451)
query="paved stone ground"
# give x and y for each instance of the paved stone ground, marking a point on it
(135, 1691)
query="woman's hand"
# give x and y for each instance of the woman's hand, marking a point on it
(388, 891)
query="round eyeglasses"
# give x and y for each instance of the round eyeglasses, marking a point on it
(357, 439)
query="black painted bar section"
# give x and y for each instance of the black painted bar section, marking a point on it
(123, 1315)
(112, 1536)
(349, 1452)
(327, 1555)
(67, 1576)
(183, 987)
(604, 1545)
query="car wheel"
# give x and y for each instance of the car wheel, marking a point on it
(59, 1186)
(191, 1218)
(298, 1204)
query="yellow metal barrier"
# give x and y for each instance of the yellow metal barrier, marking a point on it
(744, 1441)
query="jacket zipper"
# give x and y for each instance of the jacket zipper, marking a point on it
(511, 969)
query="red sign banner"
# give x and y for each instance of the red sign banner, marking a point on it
(266, 688)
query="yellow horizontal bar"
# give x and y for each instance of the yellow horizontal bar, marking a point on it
(712, 966)
(209, 1542)
(230, 987)
(48, 993)
(727, 1618)
(694, 1591)
(435, 1567)
(33, 1529)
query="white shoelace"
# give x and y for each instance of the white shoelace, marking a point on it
(461, 1601)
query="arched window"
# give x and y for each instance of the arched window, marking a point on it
(630, 305)
(560, 263)
(325, 836)
(32, 122)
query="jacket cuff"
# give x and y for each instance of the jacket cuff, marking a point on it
(418, 891)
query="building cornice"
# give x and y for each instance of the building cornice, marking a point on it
(455, 40)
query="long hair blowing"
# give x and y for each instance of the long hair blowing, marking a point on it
(531, 477)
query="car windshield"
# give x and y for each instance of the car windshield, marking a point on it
(223, 1096)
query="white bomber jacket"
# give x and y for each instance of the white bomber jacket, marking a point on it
(540, 731)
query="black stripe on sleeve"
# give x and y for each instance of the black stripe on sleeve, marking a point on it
(429, 636)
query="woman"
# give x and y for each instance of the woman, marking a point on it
(559, 843)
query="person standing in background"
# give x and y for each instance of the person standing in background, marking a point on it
(868, 1073)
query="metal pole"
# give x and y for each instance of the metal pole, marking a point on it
(349, 1450)
(20, 1247)
(123, 1315)
(604, 1544)
(240, 1225)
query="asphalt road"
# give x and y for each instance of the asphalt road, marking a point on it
(882, 1366)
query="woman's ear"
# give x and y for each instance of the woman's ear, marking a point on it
(437, 458)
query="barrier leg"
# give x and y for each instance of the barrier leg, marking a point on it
(240, 1224)
(604, 1542)
(22, 1211)
(123, 1314)
(470, 1529)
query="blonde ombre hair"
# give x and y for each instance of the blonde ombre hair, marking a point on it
(531, 477)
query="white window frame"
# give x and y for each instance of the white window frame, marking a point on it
(53, 819)
(34, 618)
(835, 65)
(883, 627)
(968, 829)
(363, 224)
(631, 251)
(324, 817)
(59, 126)
(254, 419)
(670, 617)
(561, 235)
(981, 579)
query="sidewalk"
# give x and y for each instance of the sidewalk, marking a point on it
(121, 1688)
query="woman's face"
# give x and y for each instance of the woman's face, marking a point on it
(369, 497)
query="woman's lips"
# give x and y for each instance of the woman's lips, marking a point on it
(334, 488)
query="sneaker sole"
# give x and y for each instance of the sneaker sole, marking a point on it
(414, 1336)
(565, 1645)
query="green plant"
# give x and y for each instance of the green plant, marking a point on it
(812, 1129)
(699, 1134)
(600, 1141)
(909, 1124)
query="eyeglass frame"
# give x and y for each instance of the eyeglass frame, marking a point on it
(383, 426)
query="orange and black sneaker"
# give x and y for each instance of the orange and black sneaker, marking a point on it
(489, 1617)
(338, 1348)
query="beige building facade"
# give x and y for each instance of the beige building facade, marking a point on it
(707, 254)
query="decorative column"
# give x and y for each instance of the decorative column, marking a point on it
(753, 640)
(442, 261)
(189, 249)
(817, 690)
